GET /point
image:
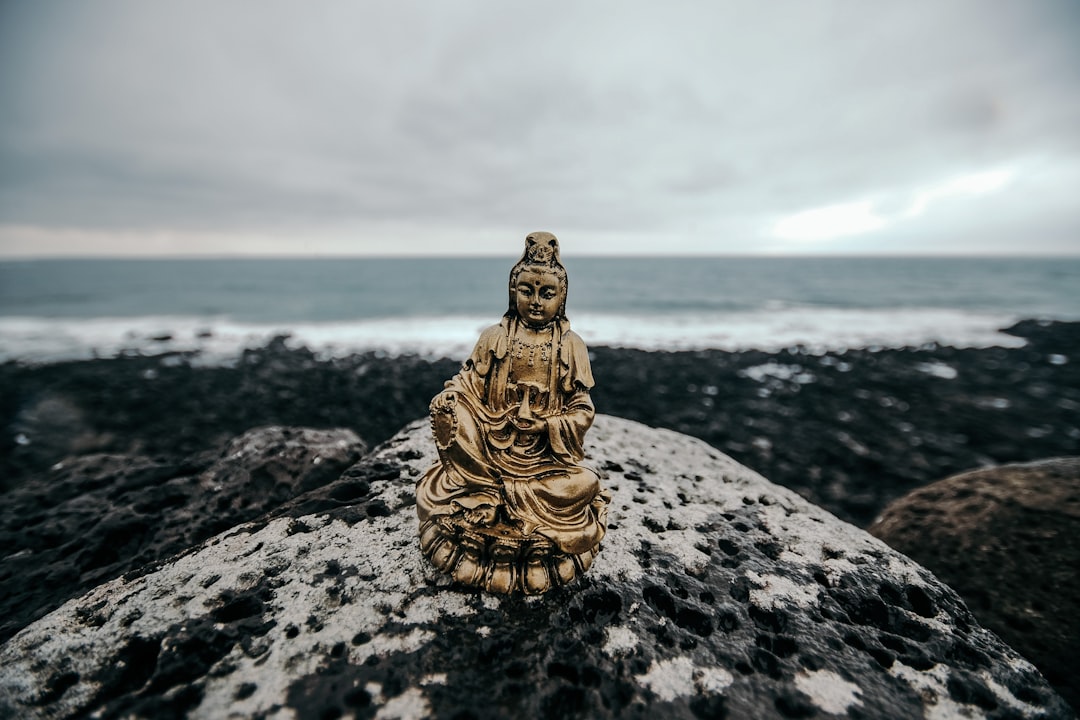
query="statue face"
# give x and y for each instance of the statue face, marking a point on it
(538, 296)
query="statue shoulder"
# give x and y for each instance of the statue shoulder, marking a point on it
(575, 358)
(491, 335)
(493, 342)
(493, 339)
(574, 340)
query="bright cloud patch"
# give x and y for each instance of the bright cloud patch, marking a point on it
(829, 222)
(864, 216)
(975, 184)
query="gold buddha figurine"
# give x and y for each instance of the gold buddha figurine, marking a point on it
(509, 507)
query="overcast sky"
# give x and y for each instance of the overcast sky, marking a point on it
(314, 128)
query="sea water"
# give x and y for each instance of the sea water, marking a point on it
(72, 309)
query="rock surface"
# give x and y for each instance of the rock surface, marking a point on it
(851, 431)
(96, 517)
(716, 594)
(1007, 539)
(173, 405)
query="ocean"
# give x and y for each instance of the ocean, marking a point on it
(74, 309)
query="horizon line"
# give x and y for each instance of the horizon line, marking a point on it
(584, 256)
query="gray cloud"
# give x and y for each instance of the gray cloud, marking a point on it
(699, 124)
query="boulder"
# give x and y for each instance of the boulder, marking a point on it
(1007, 539)
(92, 518)
(715, 594)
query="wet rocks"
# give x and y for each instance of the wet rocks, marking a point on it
(93, 517)
(849, 430)
(1007, 539)
(172, 405)
(853, 430)
(715, 594)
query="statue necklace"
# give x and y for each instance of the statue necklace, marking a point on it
(531, 352)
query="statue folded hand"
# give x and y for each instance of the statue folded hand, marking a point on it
(532, 425)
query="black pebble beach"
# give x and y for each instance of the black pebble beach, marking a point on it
(850, 431)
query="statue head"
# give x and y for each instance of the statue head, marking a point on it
(538, 282)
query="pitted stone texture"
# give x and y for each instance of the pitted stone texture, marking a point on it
(94, 517)
(1007, 539)
(716, 594)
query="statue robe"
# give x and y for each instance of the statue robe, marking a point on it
(534, 477)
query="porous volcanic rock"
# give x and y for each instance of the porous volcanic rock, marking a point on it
(716, 594)
(1007, 539)
(94, 517)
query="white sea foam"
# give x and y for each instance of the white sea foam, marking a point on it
(817, 329)
(220, 340)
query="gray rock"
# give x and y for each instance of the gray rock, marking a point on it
(716, 594)
(95, 517)
(1007, 539)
